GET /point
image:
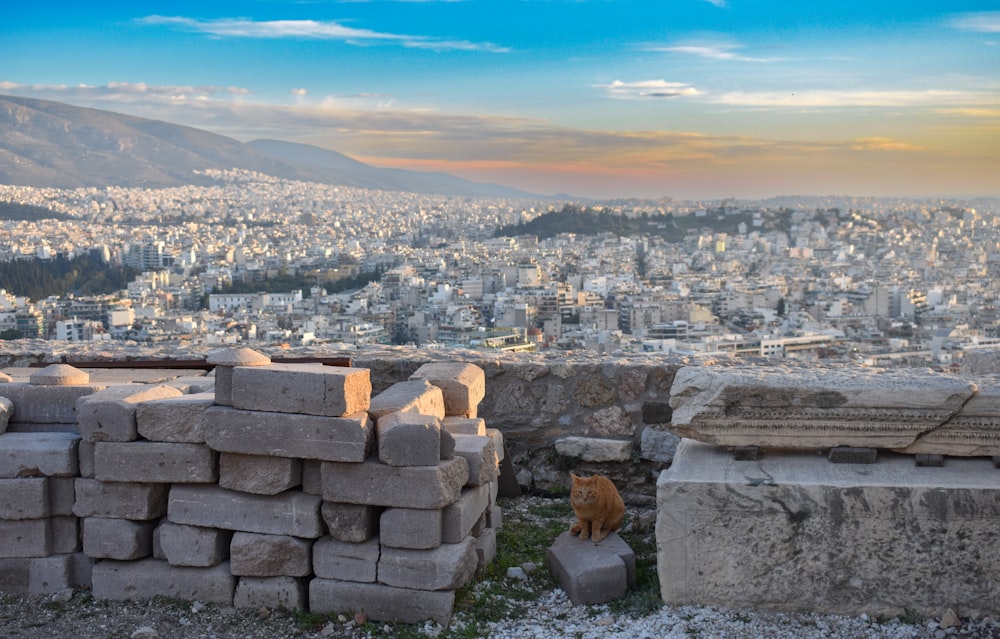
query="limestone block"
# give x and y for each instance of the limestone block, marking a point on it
(595, 450)
(813, 408)
(26, 498)
(286, 593)
(350, 522)
(498, 442)
(175, 419)
(117, 538)
(401, 486)
(418, 396)
(408, 439)
(59, 375)
(194, 384)
(486, 549)
(260, 432)
(155, 462)
(311, 476)
(791, 531)
(149, 578)
(481, 455)
(463, 385)
(464, 425)
(225, 360)
(65, 533)
(410, 528)
(591, 573)
(85, 458)
(109, 415)
(334, 391)
(257, 555)
(26, 537)
(973, 432)
(611, 421)
(6, 411)
(458, 519)
(335, 559)
(36, 576)
(258, 474)
(380, 602)
(290, 513)
(46, 404)
(62, 496)
(38, 455)
(193, 546)
(447, 567)
(139, 502)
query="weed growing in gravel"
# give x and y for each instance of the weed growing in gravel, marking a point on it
(911, 617)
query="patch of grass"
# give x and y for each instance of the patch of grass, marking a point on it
(911, 617)
(311, 621)
(644, 599)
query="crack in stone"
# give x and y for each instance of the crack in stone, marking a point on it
(946, 422)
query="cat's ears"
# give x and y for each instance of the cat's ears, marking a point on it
(574, 475)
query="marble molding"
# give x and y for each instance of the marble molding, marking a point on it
(912, 411)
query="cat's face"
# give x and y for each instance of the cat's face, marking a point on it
(583, 491)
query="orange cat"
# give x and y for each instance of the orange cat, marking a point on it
(598, 506)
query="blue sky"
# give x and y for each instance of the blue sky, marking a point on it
(682, 98)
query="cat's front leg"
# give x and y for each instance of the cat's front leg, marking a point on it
(596, 532)
(581, 527)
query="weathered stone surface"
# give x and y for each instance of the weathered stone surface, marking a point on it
(291, 513)
(38, 455)
(311, 476)
(498, 442)
(65, 533)
(791, 531)
(973, 432)
(813, 408)
(155, 462)
(260, 432)
(335, 559)
(464, 425)
(410, 528)
(109, 415)
(409, 439)
(486, 549)
(658, 445)
(149, 578)
(458, 519)
(46, 404)
(133, 501)
(6, 411)
(481, 455)
(193, 546)
(401, 486)
(26, 498)
(257, 555)
(85, 458)
(447, 567)
(612, 421)
(354, 523)
(418, 396)
(60, 375)
(117, 538)
(463, 385)
(258, 474)
(26, 537)
(175, 419)
(37, 576)
(380, 602)
(594, 449)
(335, 391)
(591, 573)
(288, 593)
(62, 496)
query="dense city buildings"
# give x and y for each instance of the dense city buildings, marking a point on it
(873, 281)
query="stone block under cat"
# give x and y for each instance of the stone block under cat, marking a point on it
(592, 573)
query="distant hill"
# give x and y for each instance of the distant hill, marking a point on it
(326, 166)
(52, 144)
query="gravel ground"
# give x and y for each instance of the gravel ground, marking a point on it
(539, 610)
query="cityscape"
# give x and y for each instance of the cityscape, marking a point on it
(871, 281)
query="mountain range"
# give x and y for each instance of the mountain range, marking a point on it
(53, 144)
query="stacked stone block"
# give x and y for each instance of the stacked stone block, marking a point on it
(39, 532)
(288, 486)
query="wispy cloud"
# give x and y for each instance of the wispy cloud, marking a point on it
(884, 144)
(315, 30)
(127, 91)
(861, 98)
(983, 22)
(719, 3)
(647, 89)
(713, 51)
